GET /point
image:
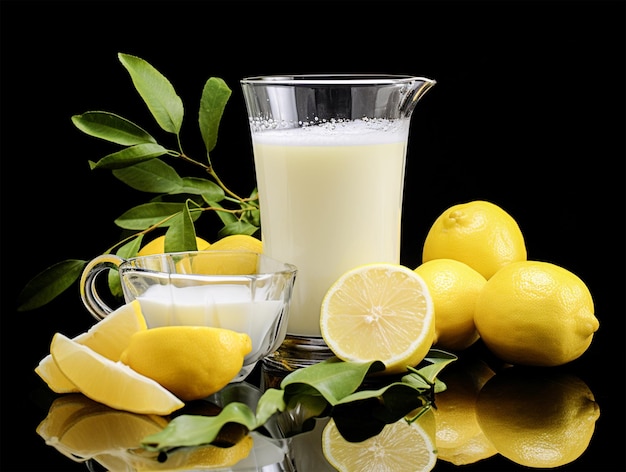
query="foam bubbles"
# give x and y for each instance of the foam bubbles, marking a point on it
(318, 132)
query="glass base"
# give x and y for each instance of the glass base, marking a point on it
(294, 353)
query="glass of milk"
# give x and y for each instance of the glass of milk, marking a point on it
(238, 290)
(329, 154)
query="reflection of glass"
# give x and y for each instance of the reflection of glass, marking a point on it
(330, 156)
(242, 291)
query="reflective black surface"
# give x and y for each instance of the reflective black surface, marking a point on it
(528, 112)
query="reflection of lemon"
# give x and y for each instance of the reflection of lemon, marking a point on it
(454, 287)
(191, 458)
(399, 446)
(157, 246)
(111, 383)
(108, 337)
(478, 233)
(536, 313)
(81, 428)
(537, 418)
(190, 361)
(379, 312)
(459, 438)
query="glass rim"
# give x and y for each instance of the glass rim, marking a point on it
(333, 79)
(287, 268)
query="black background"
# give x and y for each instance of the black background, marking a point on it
(528, 113)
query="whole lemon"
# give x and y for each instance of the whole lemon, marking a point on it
(454, 287)
(537, 418)
(238, 242)
(157, 246)
(478, 233)
(536, 313)
(192, 362)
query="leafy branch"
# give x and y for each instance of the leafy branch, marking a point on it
(329, 388)
(140, 164)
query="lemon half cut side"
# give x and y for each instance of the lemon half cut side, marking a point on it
(379, 311)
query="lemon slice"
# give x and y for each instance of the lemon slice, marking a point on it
(110, 383)
(379, 312)
(399, 446)
(108, 337)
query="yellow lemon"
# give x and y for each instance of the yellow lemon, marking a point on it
(110, 383)
(232, 255)
(238, 242)
(454, 287)
(459, 438)
(190, 361)
(157, 246)
(478, 233)
(536, 313)
(399, 446)
(537, 418)
(379, 312)
(218, 262)
(108, 337)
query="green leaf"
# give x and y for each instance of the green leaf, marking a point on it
(111, 127)
(238, 227)
(130, 156)
(215, 95)
(203, 187)
(272, 401)
(438, 359)
(156, 91)
(332, 378)
(126, 251)
(194, 430)
(226, 217)
(181, 235)
(153, 176)
(50, 283)
(149, 214)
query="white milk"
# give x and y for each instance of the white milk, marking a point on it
(220, 306)
(331, 199)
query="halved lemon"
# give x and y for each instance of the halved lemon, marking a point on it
(110, 383)
(108, 337)
(399, 446)
(380, 312)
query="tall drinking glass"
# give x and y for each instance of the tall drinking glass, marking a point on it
(329, 155)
